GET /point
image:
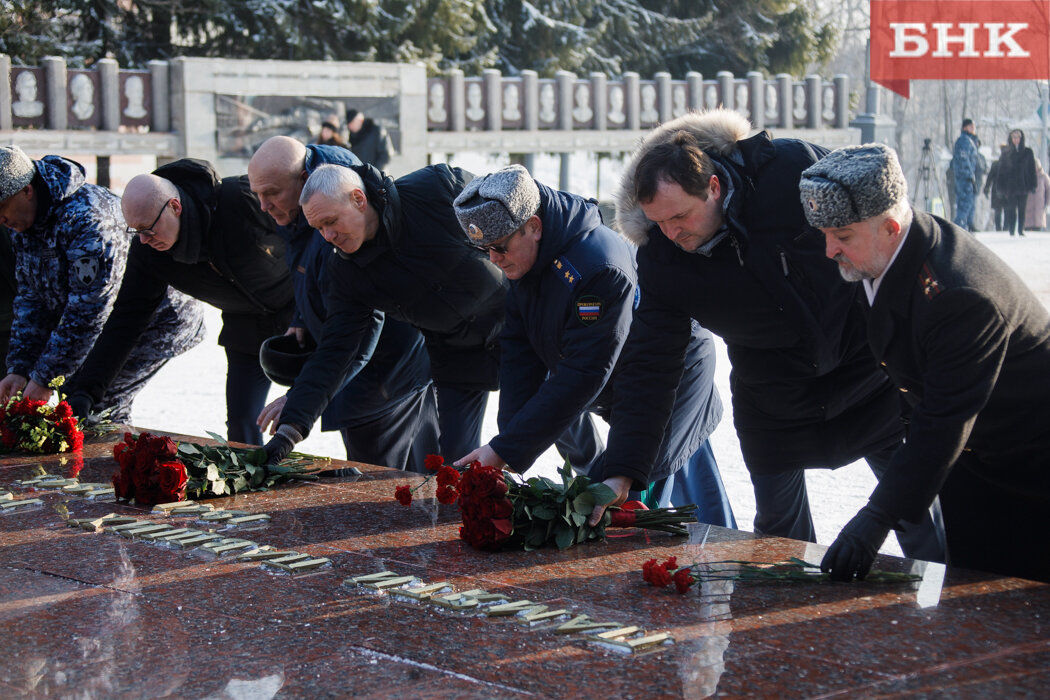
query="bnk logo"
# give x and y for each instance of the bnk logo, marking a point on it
(931, 40)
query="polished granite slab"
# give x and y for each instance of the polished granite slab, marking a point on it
(96, 615)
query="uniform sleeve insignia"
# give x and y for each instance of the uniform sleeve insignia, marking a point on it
(588, 309)
(568, 274)
(930, 286)
(85, 269)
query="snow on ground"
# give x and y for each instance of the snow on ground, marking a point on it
(187, 396)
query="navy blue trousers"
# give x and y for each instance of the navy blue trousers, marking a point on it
(400, 438)
(460, 414)
(246, 389)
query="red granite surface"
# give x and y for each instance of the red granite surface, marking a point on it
(97, 615)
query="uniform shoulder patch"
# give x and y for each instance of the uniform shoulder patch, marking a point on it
(928, 281)
(589, 309)
(85, 269)
(566, 272)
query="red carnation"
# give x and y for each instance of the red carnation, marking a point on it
(447, 494)
(647, 570)
(62, 410)
(403, 494)
(433, 462)
(447, 476)
(671, 564)
(682, 580)
(659, 576)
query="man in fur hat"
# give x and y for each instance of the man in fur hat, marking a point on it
(723, 240)
(968, 344)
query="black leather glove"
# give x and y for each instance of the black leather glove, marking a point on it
(81, 405)
(854, 550)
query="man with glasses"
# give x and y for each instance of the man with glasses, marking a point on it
(399, 250)
(573, 286)
(70, 249)
(207, 238)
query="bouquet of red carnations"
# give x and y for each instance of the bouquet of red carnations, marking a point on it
(27, 425)
(501, 511)
(155, 469)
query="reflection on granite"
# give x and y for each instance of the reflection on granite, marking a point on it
(97, 615)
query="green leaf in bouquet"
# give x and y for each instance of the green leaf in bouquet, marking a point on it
(187, 448)
(578, 518)
(258, 456)
(544, 511)
(217, 438)
(584, 503)
(601, 493)
(240, 484)
(565, 536)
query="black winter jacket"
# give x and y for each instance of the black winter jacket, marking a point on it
(806, 391)
(419, 269)
(228, 254)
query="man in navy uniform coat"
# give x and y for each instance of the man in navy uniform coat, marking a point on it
(968, 345)
(573, 286)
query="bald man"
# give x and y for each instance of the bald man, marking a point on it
(208, 238)
(386, 411)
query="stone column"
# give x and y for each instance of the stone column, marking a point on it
(57, 100)
(599, 88)
(160, 96)
(663, 95)
(530, 100)
(566, 81)
(5, 92)
(785, 100)
(813, 101)
(493, 99)
(632, 100)
(841, 101)
(108, 71)
(725, 88)
(696, 89)
(756, 97)
(457, 101)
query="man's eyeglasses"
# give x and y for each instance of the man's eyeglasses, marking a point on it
(500, 248)
(148, 232)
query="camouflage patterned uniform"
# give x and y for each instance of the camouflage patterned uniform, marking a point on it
(69, 266)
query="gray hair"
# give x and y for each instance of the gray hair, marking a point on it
(900, 212)
(330, 181)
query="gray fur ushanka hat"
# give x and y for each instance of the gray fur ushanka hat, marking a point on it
(851, 184)
(16, 170)
(496, 205)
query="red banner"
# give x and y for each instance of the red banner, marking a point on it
(958, 40)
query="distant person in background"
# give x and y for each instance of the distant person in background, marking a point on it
(369, 141)
(330, 136)
(1035, 210)
(965, 168)
(991, 190)
(70, 247)
(1016, 180)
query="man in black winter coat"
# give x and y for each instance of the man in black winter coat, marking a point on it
(968, 345)
(400, 250)
(208, 238)
(723, 240)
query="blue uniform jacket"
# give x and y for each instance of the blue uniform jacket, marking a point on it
(392, 362)
(566, 321)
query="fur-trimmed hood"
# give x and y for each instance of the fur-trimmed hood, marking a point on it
(717, 130)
